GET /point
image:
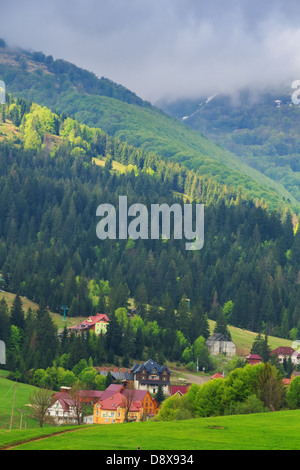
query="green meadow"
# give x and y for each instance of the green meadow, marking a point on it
(265, 431)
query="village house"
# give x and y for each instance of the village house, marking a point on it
(179, 389)
(97, 323)
(116, 401)
(149, 375)
(65, 407)
(253, 359)
(284, 352)
(217, 376)
(219, 343)
(120, 375)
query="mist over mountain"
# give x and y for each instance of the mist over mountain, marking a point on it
(261, 127)
(172, 49)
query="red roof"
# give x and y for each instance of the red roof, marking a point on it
(95, 319)
(111, 390)
(119, 400)
(253, 357)
(217, 376)
(91, 321)
(286, 381)
(283, 350)
(181, 389)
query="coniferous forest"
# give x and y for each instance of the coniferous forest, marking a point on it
(50, 188)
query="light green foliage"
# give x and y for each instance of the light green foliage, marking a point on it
(122, 316)
(293, 394)
(36, 124)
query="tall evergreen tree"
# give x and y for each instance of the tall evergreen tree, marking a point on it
(17, 315)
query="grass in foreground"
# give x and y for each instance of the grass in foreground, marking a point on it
(265, 431)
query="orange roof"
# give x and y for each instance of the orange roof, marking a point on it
(286, 381)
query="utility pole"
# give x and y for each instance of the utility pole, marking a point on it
(21, 417)
(13, 405)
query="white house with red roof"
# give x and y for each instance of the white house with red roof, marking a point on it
(97, 323)
(284, 352)
(65, 407)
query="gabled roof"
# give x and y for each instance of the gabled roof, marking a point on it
(111, 390)
(181, 389)
(119, 400)
(139, 395)
(283, 350)
(95, 319)
(65, 401)
(255, 357)
(217, 376)
(148, 366)
(90, 321)
(218, 337)
(122, 375)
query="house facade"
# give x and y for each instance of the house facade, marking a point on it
(116, 401)
(97, 323)
(253, 359)
(149, 375)
(284, 352)
(219, 343)
(65, 407)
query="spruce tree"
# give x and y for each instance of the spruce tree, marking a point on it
(159, 396)
(17, 316)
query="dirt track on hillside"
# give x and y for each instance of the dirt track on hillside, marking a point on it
(193, 379)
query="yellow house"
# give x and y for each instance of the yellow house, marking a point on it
(113, 410)
(117, 402)
(97, 323)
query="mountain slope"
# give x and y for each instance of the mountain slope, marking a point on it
(263, 130)
(101, 103)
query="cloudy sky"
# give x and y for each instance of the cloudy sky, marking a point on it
(159, 48)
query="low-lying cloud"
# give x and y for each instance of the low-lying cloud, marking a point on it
(164, 48)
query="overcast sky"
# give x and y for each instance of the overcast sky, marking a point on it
(158, 48)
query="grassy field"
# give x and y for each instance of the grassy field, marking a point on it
(266, 431)
(56, 317)
(243, 339)
(21, 415)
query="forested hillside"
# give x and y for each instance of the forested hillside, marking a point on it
(96, 102)
(262, 128)
(50, 190)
